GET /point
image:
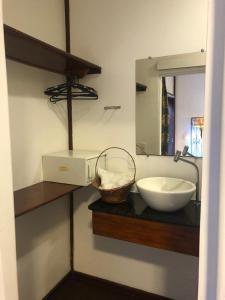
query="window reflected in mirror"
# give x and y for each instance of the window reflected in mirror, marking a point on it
(197, 126)
(182, 110)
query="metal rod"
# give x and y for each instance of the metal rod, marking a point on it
(71, 203)
(69, 90)
(197, 201)
(177, 158)
(70, 115)
(67, 24)
(70, 130)
(112, 107)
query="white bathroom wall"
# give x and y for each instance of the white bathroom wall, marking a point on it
(43, 19)
(37, 127)
(114, 34)
(8, 278)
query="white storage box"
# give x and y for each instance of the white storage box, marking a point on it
(72, 167)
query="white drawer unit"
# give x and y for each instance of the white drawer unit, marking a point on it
(72, 167)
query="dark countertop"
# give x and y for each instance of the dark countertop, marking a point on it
(135, 207)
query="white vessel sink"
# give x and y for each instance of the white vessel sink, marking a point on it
(165, 193)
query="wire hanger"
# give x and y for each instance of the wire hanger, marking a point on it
(78, 92)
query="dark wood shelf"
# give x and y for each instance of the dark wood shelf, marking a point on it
(28, 50)
(177, 238)
(34, 196)
(135, 222)
(140, 87)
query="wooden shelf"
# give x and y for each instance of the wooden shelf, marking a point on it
(140, 87)
(135, 222)
(177, 238)
(25, 49)
(34, 196)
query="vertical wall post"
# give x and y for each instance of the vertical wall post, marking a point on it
(212, 228)
(68, 77)
(70, 127)
(8, 269)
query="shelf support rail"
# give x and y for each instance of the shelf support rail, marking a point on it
(70, 129)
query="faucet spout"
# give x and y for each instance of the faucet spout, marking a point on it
(197, 201)
(178, 157)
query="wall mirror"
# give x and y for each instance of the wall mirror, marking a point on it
(170, 104)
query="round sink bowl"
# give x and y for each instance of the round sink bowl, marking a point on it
(165, 193)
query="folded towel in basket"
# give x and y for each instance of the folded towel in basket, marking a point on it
(112, 180)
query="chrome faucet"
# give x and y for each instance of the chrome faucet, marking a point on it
(178, 157)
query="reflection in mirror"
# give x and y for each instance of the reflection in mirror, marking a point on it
(170, 111)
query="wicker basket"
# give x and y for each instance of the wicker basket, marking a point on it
(116, 195)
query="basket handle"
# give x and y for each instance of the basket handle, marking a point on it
(119, 149)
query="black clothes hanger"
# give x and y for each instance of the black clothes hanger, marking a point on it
(78, 91)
